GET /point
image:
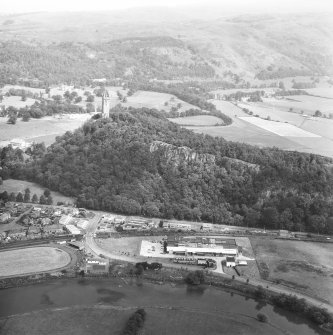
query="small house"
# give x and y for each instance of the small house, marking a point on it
(4, 217)
(230, 261)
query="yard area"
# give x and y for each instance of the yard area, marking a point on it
(304, 266)
(13, 185)
(125, 245)
(30, 260)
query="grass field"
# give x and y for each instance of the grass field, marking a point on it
(279, 128)
(242, 131)
(156, 100)
(305, 266)
(199, 120)
(6, 88)
(111, 320)
(326, 92)
(16, 102)
(30, 260)
(307, 104)
(41, 130)
(13, 185)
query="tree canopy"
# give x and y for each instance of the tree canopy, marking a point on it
(108, 164)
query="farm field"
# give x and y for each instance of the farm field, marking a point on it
(41, 130)
(279, 128)
(30, 260)
(242, 131)
(156, 100)
(304, 266)
(33, 90)
(307, 104)
(16, 102)
(13, 185)
(199, 120)
(326, 92)
(234, 90)
(101, 319)
(319, 126)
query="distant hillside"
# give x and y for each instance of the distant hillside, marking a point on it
(149, 58)
(262, 46)
(137, 162)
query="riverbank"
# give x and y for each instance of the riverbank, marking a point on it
(93, 306)
(124, 274)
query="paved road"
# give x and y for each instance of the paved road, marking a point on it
(91, 246)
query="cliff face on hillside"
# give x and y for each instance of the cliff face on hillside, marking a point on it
(176, 155)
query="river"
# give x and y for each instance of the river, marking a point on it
(61, 293)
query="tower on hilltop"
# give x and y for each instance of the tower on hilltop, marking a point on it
(105, 104)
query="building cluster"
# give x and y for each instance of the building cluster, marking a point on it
(202, 246)
(205, 262)
(107, 224)
(111, 223)
(42, 222)
(132, 223)
(16, 143)
(10, 211)
(175, 225)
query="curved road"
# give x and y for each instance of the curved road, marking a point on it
(91, 246)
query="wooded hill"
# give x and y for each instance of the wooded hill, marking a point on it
(137, 162)
(263, 46)
(153, 57)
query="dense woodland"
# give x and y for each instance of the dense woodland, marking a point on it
(107, 164)
(43, 65)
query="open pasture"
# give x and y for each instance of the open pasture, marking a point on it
(247, 90)
(306, 103)
(41, 130)
(319, 126)
(272, 112)
(164, 319)
(228, 108)
(279, 128)
(30, 260)
(33, 90)
(325, 92)
(199, 120)
(245, 132)
(156, 100)
(305, 266)
(16, 102)
(13, 185)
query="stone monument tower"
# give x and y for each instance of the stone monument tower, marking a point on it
(105, 104)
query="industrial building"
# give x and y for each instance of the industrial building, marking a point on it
(202, 246)
(97, 266)
(136, 224)
(230, 261)
(65, 219)
(73, 230)
(176, 225)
